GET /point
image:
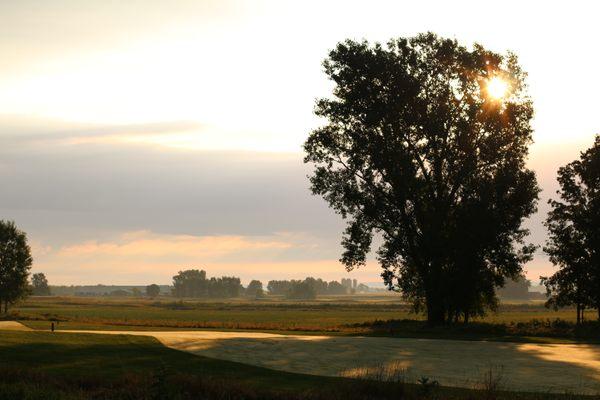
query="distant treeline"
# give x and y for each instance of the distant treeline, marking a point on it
(102, 290)
(194, 283)
(311, 287)
(518, 289)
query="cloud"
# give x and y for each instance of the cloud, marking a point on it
(149, 245)
(143, 257)
(22, 131)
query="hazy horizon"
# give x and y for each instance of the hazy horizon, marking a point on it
(137, 144)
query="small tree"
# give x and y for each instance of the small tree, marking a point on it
(574, 243)
(15, 262)
(152, 290)
(255, 289)
(39, 285)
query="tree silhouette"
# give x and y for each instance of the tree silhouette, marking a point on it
(417, 150)
(39, 285)
(574, 242)
(15, 262)
(255, 289)
(152, 290)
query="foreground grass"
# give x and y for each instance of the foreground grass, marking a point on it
(42, 365)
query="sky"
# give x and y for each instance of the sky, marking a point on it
(141, 138)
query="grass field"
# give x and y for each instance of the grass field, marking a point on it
(43, 365)
(373, 315)
(325, 314)
(104, 358)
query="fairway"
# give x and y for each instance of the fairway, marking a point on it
(556, 368)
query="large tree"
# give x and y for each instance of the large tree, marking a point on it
(425, 145)
(15, 262)
(574, 241)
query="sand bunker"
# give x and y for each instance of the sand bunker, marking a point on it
(13, 326)
(518, 366)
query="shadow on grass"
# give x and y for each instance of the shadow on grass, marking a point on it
(557, 368)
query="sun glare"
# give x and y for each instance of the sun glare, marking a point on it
(497, 88)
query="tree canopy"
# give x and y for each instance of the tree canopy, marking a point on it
(152, 290)
(193, 283)
(418, 150)
(574, 241)
(15, 262)
(39, 285)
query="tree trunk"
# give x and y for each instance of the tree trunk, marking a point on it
(436, 314)
(578, 314)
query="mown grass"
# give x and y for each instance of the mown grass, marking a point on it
(42, 365)
(366, 315)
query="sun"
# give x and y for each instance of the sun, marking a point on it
(497, 88)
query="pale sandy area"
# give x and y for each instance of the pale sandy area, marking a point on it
(523, 366)
(13, 326)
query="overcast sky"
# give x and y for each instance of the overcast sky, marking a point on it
(139, 138)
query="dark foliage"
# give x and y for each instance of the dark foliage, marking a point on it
(15, 263)
(39, 285)
(193, 283)
(417, 151)
(152, 290)
(574, 242)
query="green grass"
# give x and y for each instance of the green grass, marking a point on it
(332, 315)
(109, 357)
(379, 315)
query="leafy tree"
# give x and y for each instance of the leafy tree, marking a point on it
(39, 285)
(152, 290)
(255, 289)
(279, 287)
(226, 286)
(516, 289)
(336, 287)
(418, 150)
(574, 241)
(190, 283)
(302, 290)
(318, 284)
(15, 262)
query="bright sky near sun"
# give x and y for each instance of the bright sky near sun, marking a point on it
(86, 86)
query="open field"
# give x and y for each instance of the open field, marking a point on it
(325, 314)
(372, 315)
(341, 337)
(42, 365)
